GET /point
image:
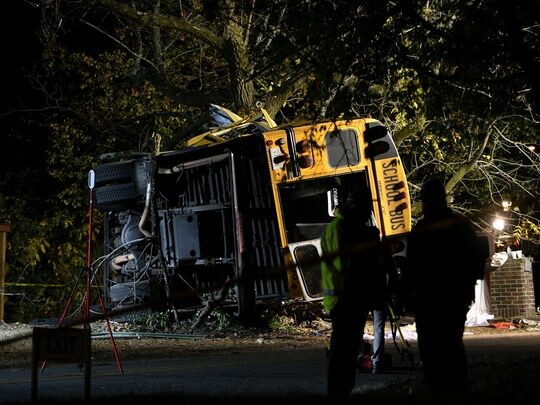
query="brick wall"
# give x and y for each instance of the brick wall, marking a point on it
(511, 290)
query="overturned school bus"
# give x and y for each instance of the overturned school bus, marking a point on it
(236, 216)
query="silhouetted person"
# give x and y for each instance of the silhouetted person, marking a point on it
(351, 274)
(445, 260)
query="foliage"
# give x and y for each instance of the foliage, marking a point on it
(455, 81)
(282, 325)
(220, 320)
(526, 229)
(283, 318)
(155, 321)
(27, 302)
(288, 317)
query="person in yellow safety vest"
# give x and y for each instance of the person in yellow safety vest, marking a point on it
(354, 282)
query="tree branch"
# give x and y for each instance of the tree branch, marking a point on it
(165, 21)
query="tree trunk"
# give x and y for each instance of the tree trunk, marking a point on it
(236, 55)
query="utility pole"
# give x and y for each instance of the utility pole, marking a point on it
(4, 229)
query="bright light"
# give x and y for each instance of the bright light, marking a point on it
(498, 224)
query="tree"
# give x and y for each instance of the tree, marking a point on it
(456, 82)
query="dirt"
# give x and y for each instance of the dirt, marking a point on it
(136, 342)
(495, 381)
(132, 342)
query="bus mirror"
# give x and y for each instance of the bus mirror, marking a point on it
(375, 132)
(377, 148)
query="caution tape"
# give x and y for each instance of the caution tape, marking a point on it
(42, 285)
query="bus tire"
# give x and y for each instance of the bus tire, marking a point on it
(133, 170)
(116, 197)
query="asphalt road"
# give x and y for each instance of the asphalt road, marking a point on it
(297, 372)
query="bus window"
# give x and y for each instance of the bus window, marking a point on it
(342, 148)
(308, 206)
(305, 208)
(307, 258)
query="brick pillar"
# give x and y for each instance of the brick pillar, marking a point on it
(512, 290)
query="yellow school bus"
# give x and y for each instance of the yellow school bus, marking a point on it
(310, 165)
(237, 215)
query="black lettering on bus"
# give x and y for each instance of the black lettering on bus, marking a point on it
(391, 179)
(388, 172)
(397, 220)
(392, 194)
(391, 163)
(394, 213)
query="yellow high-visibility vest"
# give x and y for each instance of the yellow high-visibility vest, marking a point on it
(331, 264)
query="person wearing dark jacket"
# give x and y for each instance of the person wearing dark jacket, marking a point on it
(444, 262)
(353, 282)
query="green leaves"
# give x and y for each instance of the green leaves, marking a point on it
(455, 81)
